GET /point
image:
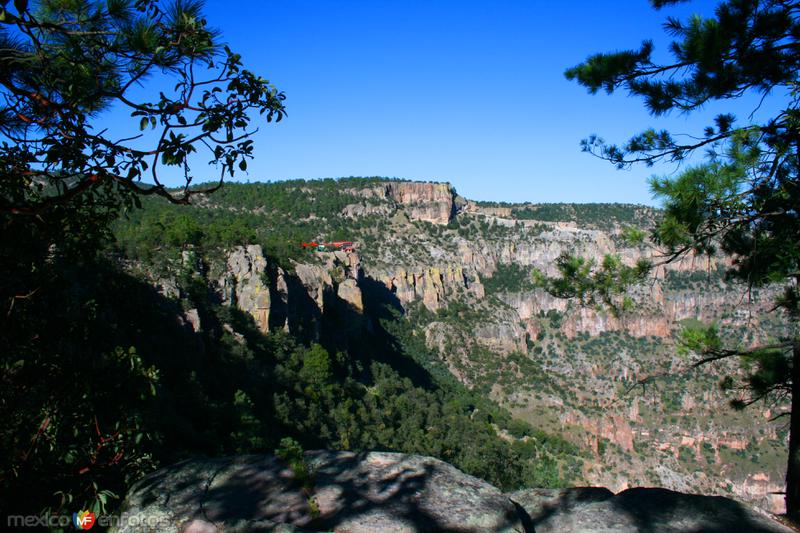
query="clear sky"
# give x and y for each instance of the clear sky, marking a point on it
(470, 92)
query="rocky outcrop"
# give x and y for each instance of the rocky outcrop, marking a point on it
(594, 322)
(192, 318)
(431, 202)
(243, 284)
(368, 492)
(433, 285)
(760, 488)
(317, 281)
(474, 207)
(527, 244)
(612, 427)
(501, 336)
(637, 510)
(656, 314)
(381, 491)
(364, 209)
(292, 301)
(349, 292)
(437, 265)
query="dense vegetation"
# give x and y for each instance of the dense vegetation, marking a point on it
(510, 277)
(227, 388)
(104, 378)
(99, 382)
(601, 216)
(604, 216)
(277, 216)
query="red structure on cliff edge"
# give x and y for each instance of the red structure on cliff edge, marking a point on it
(345, 246)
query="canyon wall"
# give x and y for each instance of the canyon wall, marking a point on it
(439, 253)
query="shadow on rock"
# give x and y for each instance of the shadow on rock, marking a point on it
(639, 510)
(655, 510)
(373, 491)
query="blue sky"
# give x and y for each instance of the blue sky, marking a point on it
(470, 92)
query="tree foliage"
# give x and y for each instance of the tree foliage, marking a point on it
(743, 200)
(63, 180)
(65, 62)
(591, 284)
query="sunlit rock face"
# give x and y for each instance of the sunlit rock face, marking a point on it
(294, 301)
(591, 356)
(243, 283)
(434, 286)
(431, 202)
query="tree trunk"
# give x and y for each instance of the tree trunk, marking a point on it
(793, 469)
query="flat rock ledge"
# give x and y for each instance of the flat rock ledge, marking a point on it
(393, 492)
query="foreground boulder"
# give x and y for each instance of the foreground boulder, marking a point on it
(352, 492)
(395, 492)
(639, 510)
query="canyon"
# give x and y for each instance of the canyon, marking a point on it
(460, 272)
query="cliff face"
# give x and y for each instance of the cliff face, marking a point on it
(455, 269)
(430, 202)
(244, 285)
(434, 285)
(461, 271)
(297, 301)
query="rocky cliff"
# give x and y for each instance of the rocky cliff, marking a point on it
(296, 301)
(434, 285)
(430, 202)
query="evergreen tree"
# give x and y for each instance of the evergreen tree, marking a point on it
(742, 201)
(74, 384)
(65, 61)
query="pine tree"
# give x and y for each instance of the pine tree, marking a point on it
(64, 62)
(742, 201)
(65, 176)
